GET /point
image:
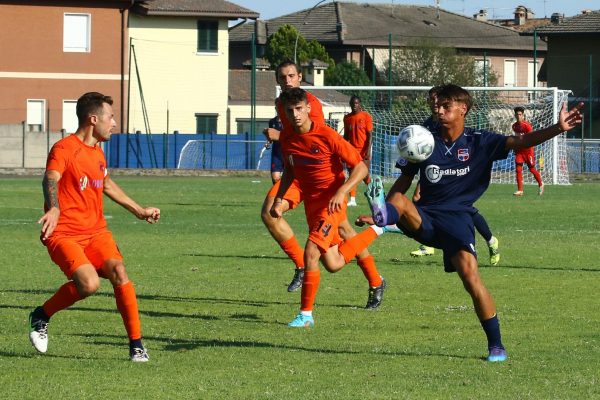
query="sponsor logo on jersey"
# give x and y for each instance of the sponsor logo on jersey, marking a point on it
(463, 155)
(402, 162)
(434, 173)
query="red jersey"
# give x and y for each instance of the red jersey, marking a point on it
(522, 128)
(81, 186)
(316, 158)
(357, 128)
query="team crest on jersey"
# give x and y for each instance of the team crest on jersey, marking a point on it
(401, 162)
(463, 155)
(83, 183)
(314, 149)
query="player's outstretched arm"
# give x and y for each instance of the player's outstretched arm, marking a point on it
(50, 219)
(287, 178)
(567, 120)
(116, 194)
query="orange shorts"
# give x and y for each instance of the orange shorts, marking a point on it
(71, 252)
(525, 156)
(323, 226)
(293, 195)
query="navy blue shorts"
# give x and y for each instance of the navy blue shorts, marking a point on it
(450, 231)
(276, 158)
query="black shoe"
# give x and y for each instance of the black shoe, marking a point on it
(375, 296)
(296, 280)
(138, 354)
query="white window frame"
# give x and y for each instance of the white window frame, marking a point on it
(69, 29)
(70, 123)
(39, 119)
(531, 64)
(514, 78)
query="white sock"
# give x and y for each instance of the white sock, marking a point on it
(378, 230)
(306, 313)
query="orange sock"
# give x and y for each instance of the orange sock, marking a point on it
(64, 297)
(368, 267)
(310, 286)
(128, 307)
(293, 251)
(353, 192)
(351, 247)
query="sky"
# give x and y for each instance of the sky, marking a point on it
(497, 9)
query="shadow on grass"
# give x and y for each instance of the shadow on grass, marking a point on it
(34, 354)
(252, 257)
(178, 345)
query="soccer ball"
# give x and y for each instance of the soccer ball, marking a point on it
(415, 143)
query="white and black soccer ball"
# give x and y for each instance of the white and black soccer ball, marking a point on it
(415, 143)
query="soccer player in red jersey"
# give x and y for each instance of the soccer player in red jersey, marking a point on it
(289, 77)
(313, 155)
(358, 127)
(74, 229)
(526, 155)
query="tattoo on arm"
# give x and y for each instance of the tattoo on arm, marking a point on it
(50, 192)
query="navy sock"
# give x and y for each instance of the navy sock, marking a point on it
(392, 214)
(482, 227)
(136, 343)
(491, 327)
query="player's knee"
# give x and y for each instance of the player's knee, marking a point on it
(88, 286)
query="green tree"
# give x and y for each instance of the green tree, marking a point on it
(427, 63)
(281, 46)
(346, 74)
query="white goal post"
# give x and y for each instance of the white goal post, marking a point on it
(394, 107)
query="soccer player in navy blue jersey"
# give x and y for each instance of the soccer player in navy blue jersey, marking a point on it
(456, 174)
(433, 125)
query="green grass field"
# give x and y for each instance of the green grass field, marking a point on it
(212, 284)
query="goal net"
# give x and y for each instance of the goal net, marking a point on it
(393, 108)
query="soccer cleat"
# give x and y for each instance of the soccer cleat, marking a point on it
(352, 202)
(302, 321)
(38, 332)
(518, 193)
(296, 280)
(497, 354)
(423, 251)
(138, 354)
(376, 198)
(375, 296)
(392, 229)
(494, 251)
(541, 190)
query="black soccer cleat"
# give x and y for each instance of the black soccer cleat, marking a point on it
(296, 280)
(375, 296)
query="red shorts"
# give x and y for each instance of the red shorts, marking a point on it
(71, 252)
(293, 195)
(323, 226)
(525, 156)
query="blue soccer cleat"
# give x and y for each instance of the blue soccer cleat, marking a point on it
(376, 198)
(302, 321)
(497, 354)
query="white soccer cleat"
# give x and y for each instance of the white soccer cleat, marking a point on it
(138, 354)
(541, 190)
(38, 333)
(518, 193)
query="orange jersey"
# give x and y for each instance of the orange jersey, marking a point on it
(316, 112)
(357, 129)
(80, 189)
(522, 128)
(316, 158)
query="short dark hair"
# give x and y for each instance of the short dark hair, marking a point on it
(519, 108)
(91, 103)
(355, 97)
(455, 93)
(293, 96)
(433, 91)
(286, 63)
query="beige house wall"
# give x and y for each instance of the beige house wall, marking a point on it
(176, 81)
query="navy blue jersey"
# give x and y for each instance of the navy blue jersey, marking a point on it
(456, 174)
(276, 154)
(432, 125)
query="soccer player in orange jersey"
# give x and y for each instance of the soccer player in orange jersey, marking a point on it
(313, 155)
(289, 77)
(358, 126)
(74, 229)
(526, 155)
